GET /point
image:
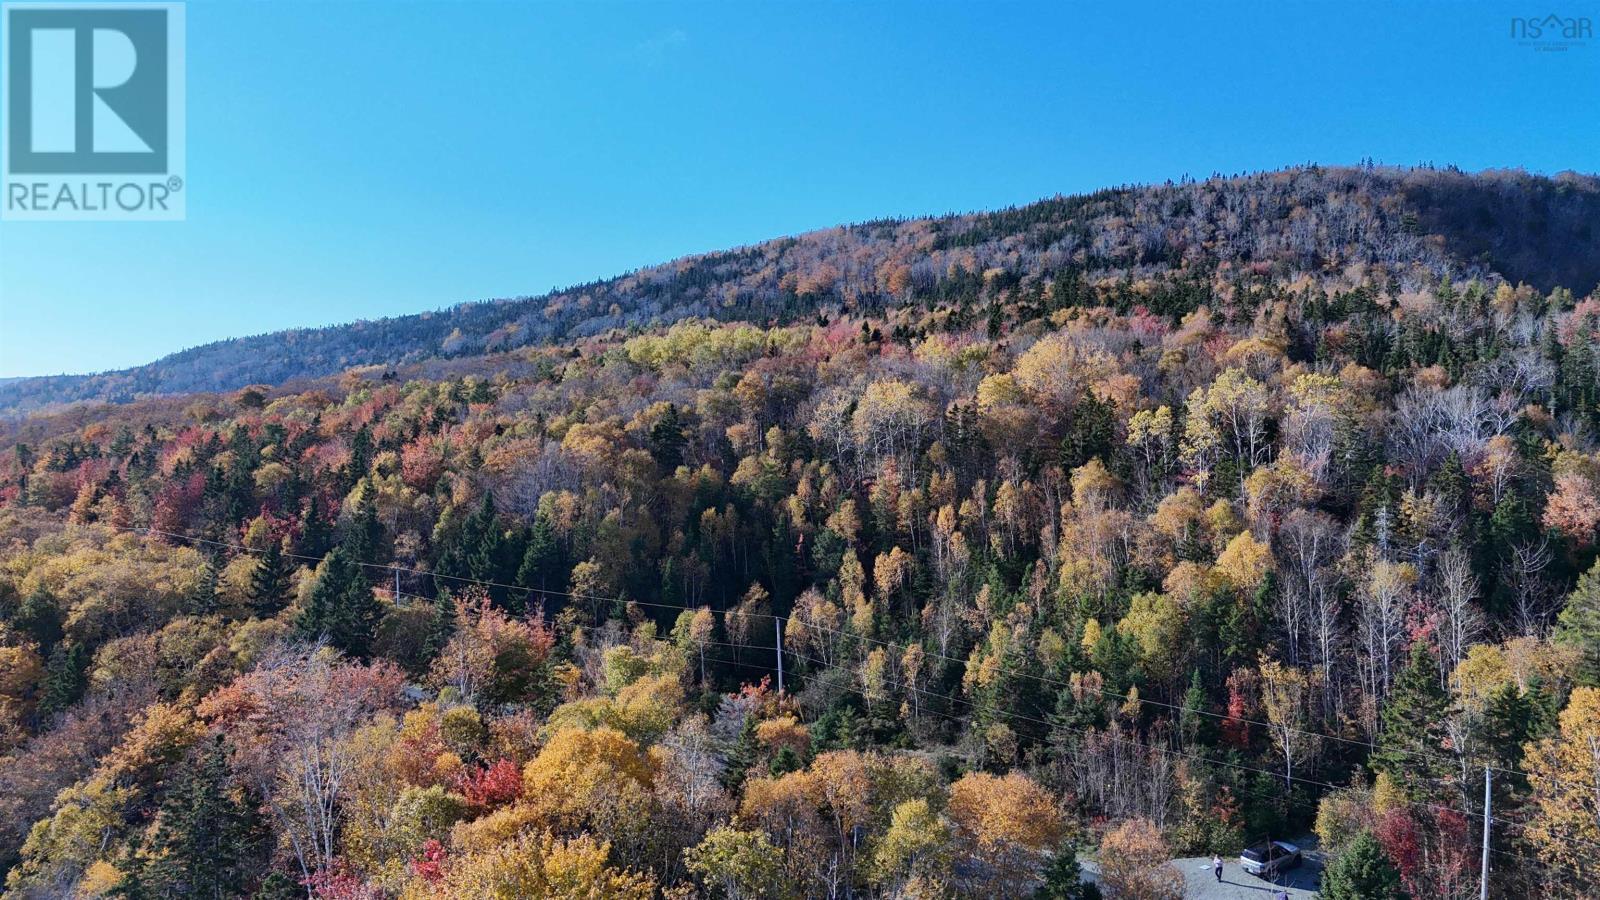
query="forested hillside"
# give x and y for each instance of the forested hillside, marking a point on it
(1146, 524)
(1337, 224)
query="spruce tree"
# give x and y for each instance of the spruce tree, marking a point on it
(1510, 721)
(269, 583)
(742, 756)
(667, 439)
(316, 537)
(540, 569)
(203, 600)
(364, 536)
(1362, 871)
(1193, 723)
(65, 678)
(207, 840)
(1411, 746)
(341, 607)
(1579, 626)
(441, 626)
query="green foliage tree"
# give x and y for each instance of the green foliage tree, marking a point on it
(66, 678)
(341, 607)
(363, 538)
(316, 534)
(1362, 872)
(207, 841)
(667, 439)
(441, 625)
(269, 583)
(541, 560)
(1413, 744)
(40, 617)
(1579, 625)
(737, 864)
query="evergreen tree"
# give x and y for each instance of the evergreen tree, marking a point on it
(207, 840)
(1579, 626)
(316, 536)
(1091, 432)
(203, 600)
(133, 885)
(66, 677)
(279, 886)
(40, 617)
(485, 547)
(1362, 872)
(1412, 745)
(742, 756)
(541, 561)
(269, 583)
(476, 552)
(1063, 877)
(341, 607)
(1193, 723)
(667, 439)
(1510, 721)
(441, 626)
(360, 457)
(363, 537)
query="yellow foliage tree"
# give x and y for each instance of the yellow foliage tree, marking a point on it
(535, 865)
(1563, 771)
(598, 781)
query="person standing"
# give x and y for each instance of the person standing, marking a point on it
(1216, 866)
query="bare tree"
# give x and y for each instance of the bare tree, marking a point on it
(1461, 622)
(1381, 628)
(1532, 600)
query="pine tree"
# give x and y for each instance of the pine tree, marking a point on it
(341, 607)
(1362, 872)
(1411, 746)
(269, 583)
(207, 839)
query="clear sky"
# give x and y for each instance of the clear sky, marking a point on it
(359, 159)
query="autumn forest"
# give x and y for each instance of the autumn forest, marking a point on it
(926, 558)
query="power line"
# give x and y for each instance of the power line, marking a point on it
(807, 624)
(913, 687)
(1308, 803)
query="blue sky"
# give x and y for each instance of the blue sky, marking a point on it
(359, 159)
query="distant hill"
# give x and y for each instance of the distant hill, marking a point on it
(1338, 225)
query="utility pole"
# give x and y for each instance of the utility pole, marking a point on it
(777, 625)
(1483, 882)
(397, 586)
